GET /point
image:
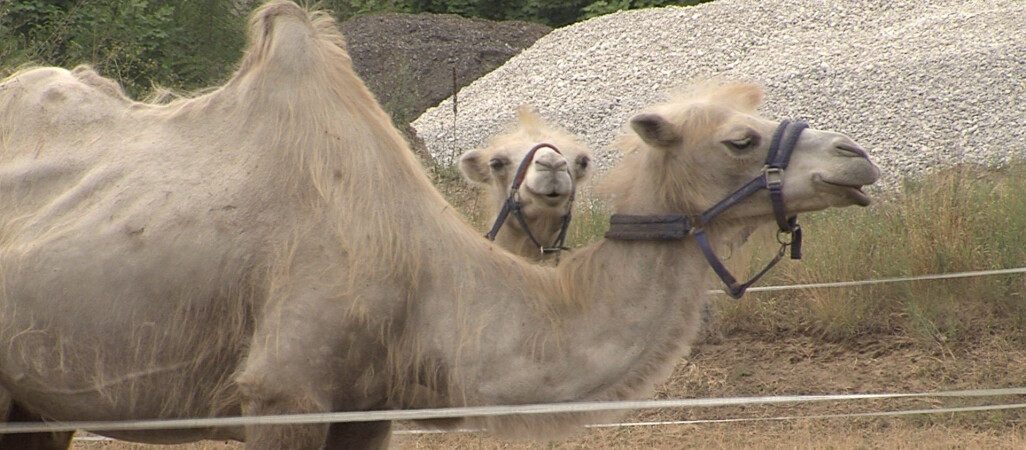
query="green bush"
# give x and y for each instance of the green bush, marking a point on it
(140, 43)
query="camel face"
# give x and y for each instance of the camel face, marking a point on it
(550, 178)
(826, 169)
(829, 169)
(721, 134)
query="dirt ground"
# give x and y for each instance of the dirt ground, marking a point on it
(759, 365)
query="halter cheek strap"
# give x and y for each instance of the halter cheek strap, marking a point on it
(512, 206)
(678, 226)
(784, 141)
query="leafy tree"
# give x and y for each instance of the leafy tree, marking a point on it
(208, 42)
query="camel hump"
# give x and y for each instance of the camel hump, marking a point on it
(284, 36)
(50, 101)
(88, 76)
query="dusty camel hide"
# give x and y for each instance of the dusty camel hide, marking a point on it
(273, 247)
(544, 198)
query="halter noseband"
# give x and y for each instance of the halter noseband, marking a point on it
(512, 205)
(677, 226)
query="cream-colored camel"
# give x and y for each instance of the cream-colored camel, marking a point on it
(273, 247)
(545, 197)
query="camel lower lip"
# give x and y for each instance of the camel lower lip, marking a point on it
(859, 197)
(854, 193)
(550, 195)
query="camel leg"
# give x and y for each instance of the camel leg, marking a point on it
(268, 392)
(276, 437)
(362, 435)
(302, 360)
(12, 412)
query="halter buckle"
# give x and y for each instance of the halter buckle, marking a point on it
(774, 177)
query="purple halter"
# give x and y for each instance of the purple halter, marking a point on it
(679, 226)
(512, 206)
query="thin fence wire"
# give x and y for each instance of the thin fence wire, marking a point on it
(562, 408)
(891, 413)
(837, 284)
(475, 411)
(894, 413)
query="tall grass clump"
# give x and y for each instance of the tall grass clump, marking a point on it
(961, 219)
(590, 221)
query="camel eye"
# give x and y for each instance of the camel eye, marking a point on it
(583, 162)
(742, 144)
(497, 163)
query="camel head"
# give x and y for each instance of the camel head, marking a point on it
(550, 178)
(700, 148)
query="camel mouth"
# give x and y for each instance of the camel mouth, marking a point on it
(551, 198)
(853, 192)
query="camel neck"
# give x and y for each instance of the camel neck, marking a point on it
(640, 302)
(545, 230)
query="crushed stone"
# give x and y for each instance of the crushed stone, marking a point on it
(919, 84)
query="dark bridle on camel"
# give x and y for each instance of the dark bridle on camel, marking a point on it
(512, 206)
(679, 226)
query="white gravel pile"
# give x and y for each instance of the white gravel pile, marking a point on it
(918, 83)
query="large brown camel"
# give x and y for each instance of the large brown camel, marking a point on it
(543, 198)
(273, 247)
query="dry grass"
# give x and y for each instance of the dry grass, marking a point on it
(961, 219)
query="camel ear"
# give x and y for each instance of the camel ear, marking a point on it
(474, 168)
(655, 130)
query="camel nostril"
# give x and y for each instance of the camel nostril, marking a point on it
(552, 164)
(852, 150)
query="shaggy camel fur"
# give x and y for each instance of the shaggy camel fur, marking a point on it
(546, 195)
(272, 246)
